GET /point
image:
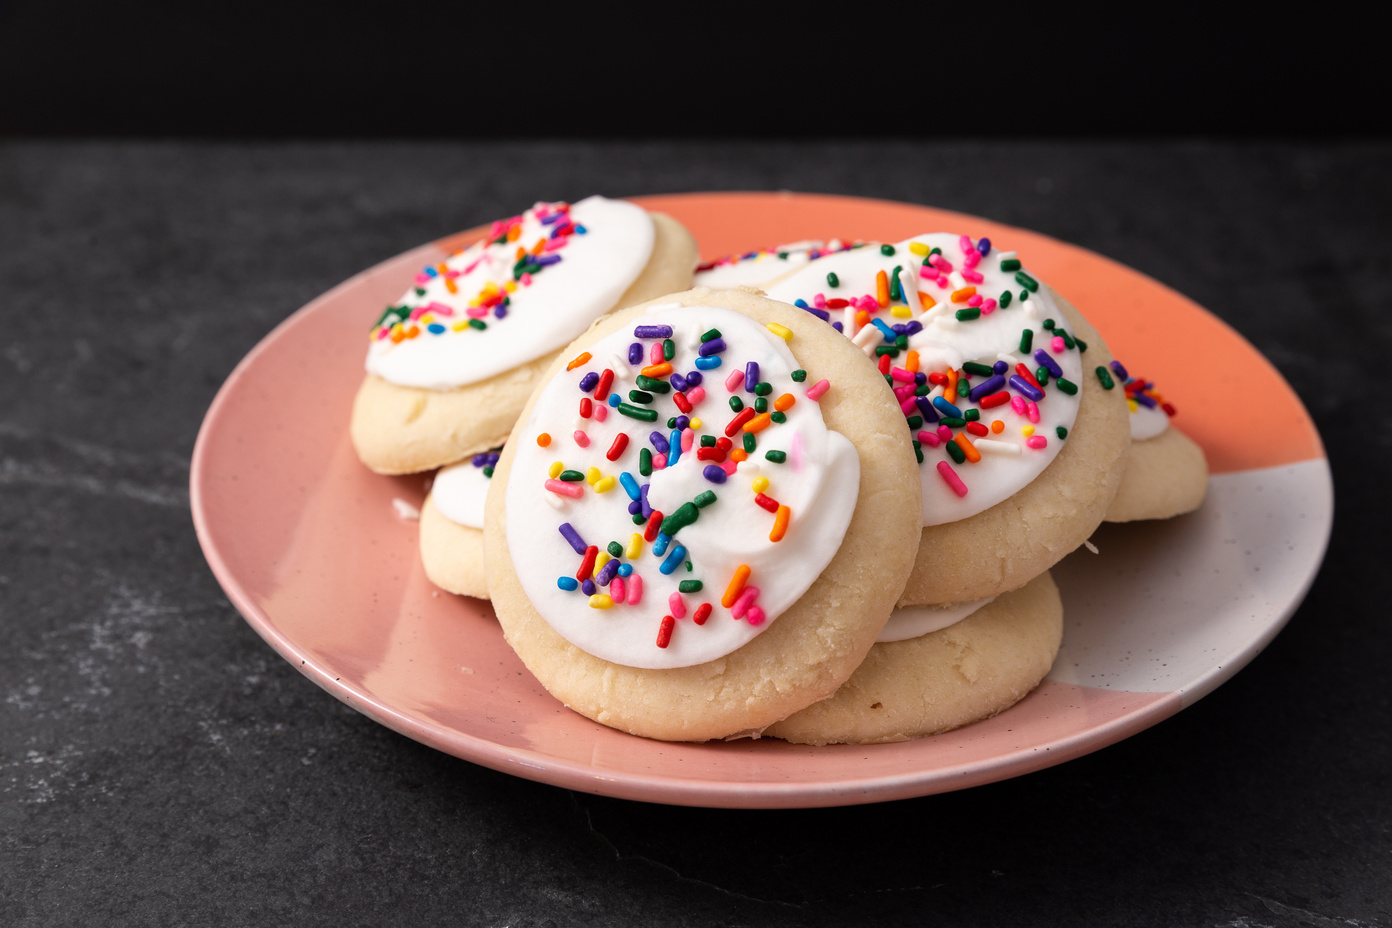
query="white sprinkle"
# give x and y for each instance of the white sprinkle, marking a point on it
(991, 446)
(405, 511)
(1091, 547)
(555, 501)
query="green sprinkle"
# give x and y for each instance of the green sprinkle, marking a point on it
(690, 586)
(1026, 281)
(1024, 295)
(638, 518)
(1010, 264)
(395, 313)
(1005, 299)
(478, 324)
(1082, 345)
(1041, 374)
(922, 389)
(971, 415)
(967, 315)
(615, 549)
(645, 462)
(488, 471)
(710, 335)
(901, 342)
(833, 281)
(736, 403)
(777, 457)
(672, 422)
(707, 441)
(420, 291)
(887, 250)
(686, 514)
(669, 349)
(896, 292)
(953, 422)
(763, 388)
(955, 451)
(886, 350)
(1106, 378)
(778, 417)
(761, 404)
(917, 444)
(915, 422)
(689, 568)
(749, 443)
(963, 388)
(572, 476)
(799, 375)
(1048, 323)
(1068, 341)
(918, 453)
(703, 500)
(1067, 386)
(1062, 432)
(983, 370)
(656, 386)
(638, 412)
(934, 251)
(638, 396)
(1026, 341)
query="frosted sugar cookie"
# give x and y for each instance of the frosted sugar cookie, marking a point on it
(451, 363)
(1166, 473)
(760, 268)
(451, 525)
(1019, 429)
(708, 511)
(936, 669)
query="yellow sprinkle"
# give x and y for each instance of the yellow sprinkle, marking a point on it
(901, 312)
(1027, 430)
(510, 286)
(606, 484)
(695, 423)
(601, 601)
(782, 331)
(602, 558)
(427, 318)
(592, 476)
(919, 249)
(460, 326)
(555, 469)
(1132, 405)
(760, 484)
(635, 547)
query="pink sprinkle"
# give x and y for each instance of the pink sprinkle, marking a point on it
(729, 467)
(926, 271)
(695, 395)
(1032, 410)
(659, 461)
(655, 353)
(561, 488)
(901, 375)
(974, 299)
(964, 243)
(383, 332)
(582, 439)
(1037, 441)
(677, 606)
(903, 391)
(746, 599)
(944, 433)
(819, 301)
(422, 278)
(616, 589)
(419, 311)
(815, 391)
(950, 477)
(971, 276)
(735, 381)
(929, 439)
(439, 309)
(1057, 344)
(972, 258)
(907, 407)
(1017, 403)
(754, 616)
(943, 282)
(988, 307)
(526, 280)
(635, 590)
(795, 453)
(554, 244)
(477, 312)
(942, 264)
(601, 412)
(688, 436)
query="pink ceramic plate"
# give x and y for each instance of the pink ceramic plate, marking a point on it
(309, 548)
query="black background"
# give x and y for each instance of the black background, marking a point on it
(174, 183)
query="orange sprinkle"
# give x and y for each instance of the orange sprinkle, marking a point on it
(413, 331)
(543, 439)
(950, 391)
(736, 587)
(541, 243)
(521, 253)
(581, 358)
(397, 335)
(739, 454)
(758, 423)
(513, 233)
(442, 268)
(911, 362)
(862, 318)
(780, 519)
(998, 426)
(928, 301)
(882, 288)
(784, 402)
(656, 370)
(961, 296)
(450, 285)
(967, 447)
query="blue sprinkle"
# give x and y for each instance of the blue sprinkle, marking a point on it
(435, 329)
(625, 570)
(589, 382)
(675, 452)
(614, 400)
(546, 260)
(569, 584)
(635, 353)
(947, 408)
(800, 303)
(885, 330)
(709, 363)
(431, 272)
(629, 484)
(581, 230)
(588, 588)
(660, 543)
(674, 560)
(714, 473)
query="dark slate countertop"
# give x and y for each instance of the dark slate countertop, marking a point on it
(160, 765)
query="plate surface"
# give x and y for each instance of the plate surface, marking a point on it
(307, 545)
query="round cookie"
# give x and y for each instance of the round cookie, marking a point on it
(819, 621)
(452, 553)
(968, 671)
(446, 400)
(1166, 473)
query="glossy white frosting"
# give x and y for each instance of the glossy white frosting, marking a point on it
(946, 342)
(761, 268)
(1147, 422)
(543, 316)
(917, 621)
(459, 492)
(819, 483)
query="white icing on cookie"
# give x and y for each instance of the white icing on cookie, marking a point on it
(917, 621)
(545, 310)
(761, 268)
(459, 492)
(1147, 422)
(1008, 460)
(818, 482)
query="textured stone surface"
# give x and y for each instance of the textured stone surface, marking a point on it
(160, 765)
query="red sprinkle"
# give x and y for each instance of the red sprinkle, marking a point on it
(618, 447)
(994, 400)
(1024, 373)
(664, 634)
(837, 303)
(938, 379)
(587, 565)
(606, 380)
(682, 403)
(702, 613)
(739, 420)
(586, 408)
(976, 428)
(706, 453)
(724, 444)
(654, 523)
(1169, 410)
(884, 364)
(765, 503)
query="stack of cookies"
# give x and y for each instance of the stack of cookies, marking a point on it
(825, 512)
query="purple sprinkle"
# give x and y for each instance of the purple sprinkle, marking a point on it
(751, 376)
(607, 572)
(678, 382)
(693, 379)
(913, 328)
(838, 327)
(572, 536)
(984, 246)
(714, 473)
(1000, 367)
(1048, 363)
(588, 588)
(990, 385)
(1121, 371)
(547, 260)
(1025, 388)
(920, 379)
(659, 441)
(500, 311)
(481, 460)
(643, 505)
(714, 346)
(551, 218)
(682, 422)
(1144, 400)
(653, 331)
(635, 353)
(634, 507)
(925, 407)
(819, 313)
(589, 382)
(899, 329)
